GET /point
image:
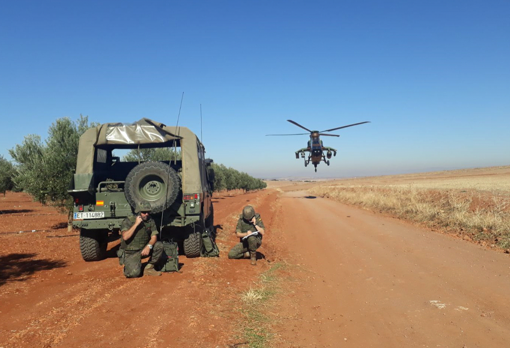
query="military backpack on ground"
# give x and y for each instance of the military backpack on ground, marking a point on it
(209, 247)
(171, 257)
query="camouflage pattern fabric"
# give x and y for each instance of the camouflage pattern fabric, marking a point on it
(249, 244)
(132, 260)
(244, 226)
(142, 235)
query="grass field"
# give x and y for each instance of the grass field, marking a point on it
(472, 203)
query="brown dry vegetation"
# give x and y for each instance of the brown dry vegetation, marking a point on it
(474, 204)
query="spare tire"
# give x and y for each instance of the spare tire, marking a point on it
(153, 182)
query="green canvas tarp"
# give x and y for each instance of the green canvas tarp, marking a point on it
(139, 134)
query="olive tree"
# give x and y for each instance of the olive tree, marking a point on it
(6, 175)
(231, 179)
(219, 178)
(45, 169)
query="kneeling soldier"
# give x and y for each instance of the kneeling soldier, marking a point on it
(139, 237)
(250, 230)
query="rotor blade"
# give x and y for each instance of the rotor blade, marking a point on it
(300, 126)
(350, 125)
(267, 135)
(329, 135)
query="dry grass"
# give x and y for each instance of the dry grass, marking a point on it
(474, 204)
(256, 324)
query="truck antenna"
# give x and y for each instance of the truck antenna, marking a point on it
(177, 129)
(175, 162)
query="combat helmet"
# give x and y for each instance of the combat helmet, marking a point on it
(143, 207)
(248, 212)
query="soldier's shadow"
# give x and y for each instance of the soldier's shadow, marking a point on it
(214, 231)
(260, 256)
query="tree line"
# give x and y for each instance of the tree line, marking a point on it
(44, 169)
(230, 179)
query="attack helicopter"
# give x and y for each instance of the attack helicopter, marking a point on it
(315, 147)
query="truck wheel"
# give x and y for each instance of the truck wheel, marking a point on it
(153, 182)
(193, 245)
(93, 244)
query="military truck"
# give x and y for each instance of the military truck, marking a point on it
(106, 189)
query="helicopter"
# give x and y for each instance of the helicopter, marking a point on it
(315, 147)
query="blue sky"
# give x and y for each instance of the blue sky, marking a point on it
(433, 77)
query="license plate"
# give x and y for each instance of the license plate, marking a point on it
(89, 215)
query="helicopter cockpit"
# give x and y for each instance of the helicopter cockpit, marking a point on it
(315, 145)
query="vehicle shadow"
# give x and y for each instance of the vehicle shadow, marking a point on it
(19, 267)
(112, 253)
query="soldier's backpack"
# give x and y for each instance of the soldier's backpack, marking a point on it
(209, 247)
(171, 257)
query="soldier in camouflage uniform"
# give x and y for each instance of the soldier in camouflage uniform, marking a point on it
(139, 237)
(249, 222)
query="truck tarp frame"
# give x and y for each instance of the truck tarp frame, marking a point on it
(130, 136)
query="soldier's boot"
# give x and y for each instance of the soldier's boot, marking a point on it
(253, 258)
(149, 270)
(247, 255)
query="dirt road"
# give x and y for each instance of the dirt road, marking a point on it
(50, 297)
(371, 281)
(356, 279)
